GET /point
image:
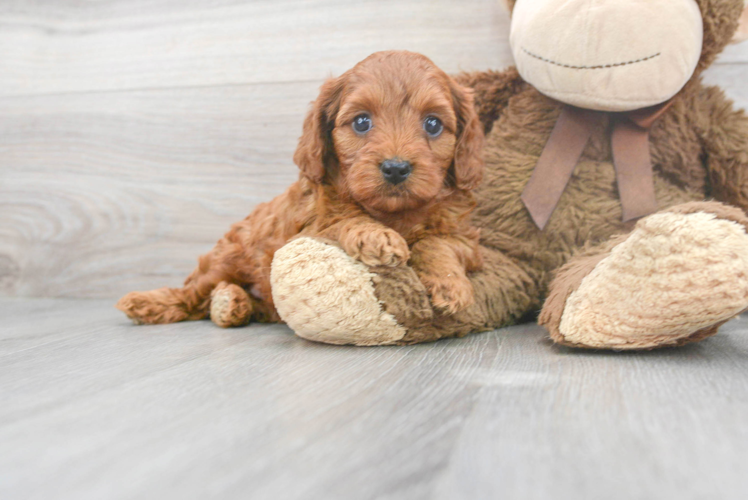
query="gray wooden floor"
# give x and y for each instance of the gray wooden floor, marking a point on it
(92, 407)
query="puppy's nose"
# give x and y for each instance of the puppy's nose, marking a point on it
(395, 171)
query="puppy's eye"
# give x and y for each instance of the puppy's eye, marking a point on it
(433, 126)
(362, 124)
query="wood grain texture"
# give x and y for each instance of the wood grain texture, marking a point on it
(93, 407)
(71, 46)
(134, 132)
(106, 192)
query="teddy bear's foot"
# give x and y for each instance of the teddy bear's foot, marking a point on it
(325, 295)
(230, 305)
(676, 278)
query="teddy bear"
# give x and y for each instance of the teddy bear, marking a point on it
(613, 203)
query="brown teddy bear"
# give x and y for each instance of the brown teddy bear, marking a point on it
(603, 149)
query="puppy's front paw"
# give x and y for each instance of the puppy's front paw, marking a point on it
(451, 293)
(383, 247)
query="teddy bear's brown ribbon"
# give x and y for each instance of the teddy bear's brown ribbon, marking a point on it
(630, 145)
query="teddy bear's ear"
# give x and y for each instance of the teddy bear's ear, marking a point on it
(742, 33)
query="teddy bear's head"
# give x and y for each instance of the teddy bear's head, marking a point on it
(619, 55)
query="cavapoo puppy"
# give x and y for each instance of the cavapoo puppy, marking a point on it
(388, 155)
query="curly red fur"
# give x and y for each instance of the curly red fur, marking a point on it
(342, 194)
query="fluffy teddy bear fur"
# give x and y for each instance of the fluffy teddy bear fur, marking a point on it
(699, 151)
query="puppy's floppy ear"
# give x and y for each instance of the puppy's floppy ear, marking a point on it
(468, 162)
(315, 144)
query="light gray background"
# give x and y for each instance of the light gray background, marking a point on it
(132, 134)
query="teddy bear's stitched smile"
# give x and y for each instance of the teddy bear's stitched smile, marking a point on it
(601, 66)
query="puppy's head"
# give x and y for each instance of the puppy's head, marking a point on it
(394, 133)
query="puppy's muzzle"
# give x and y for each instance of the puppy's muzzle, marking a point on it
(395, 171)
